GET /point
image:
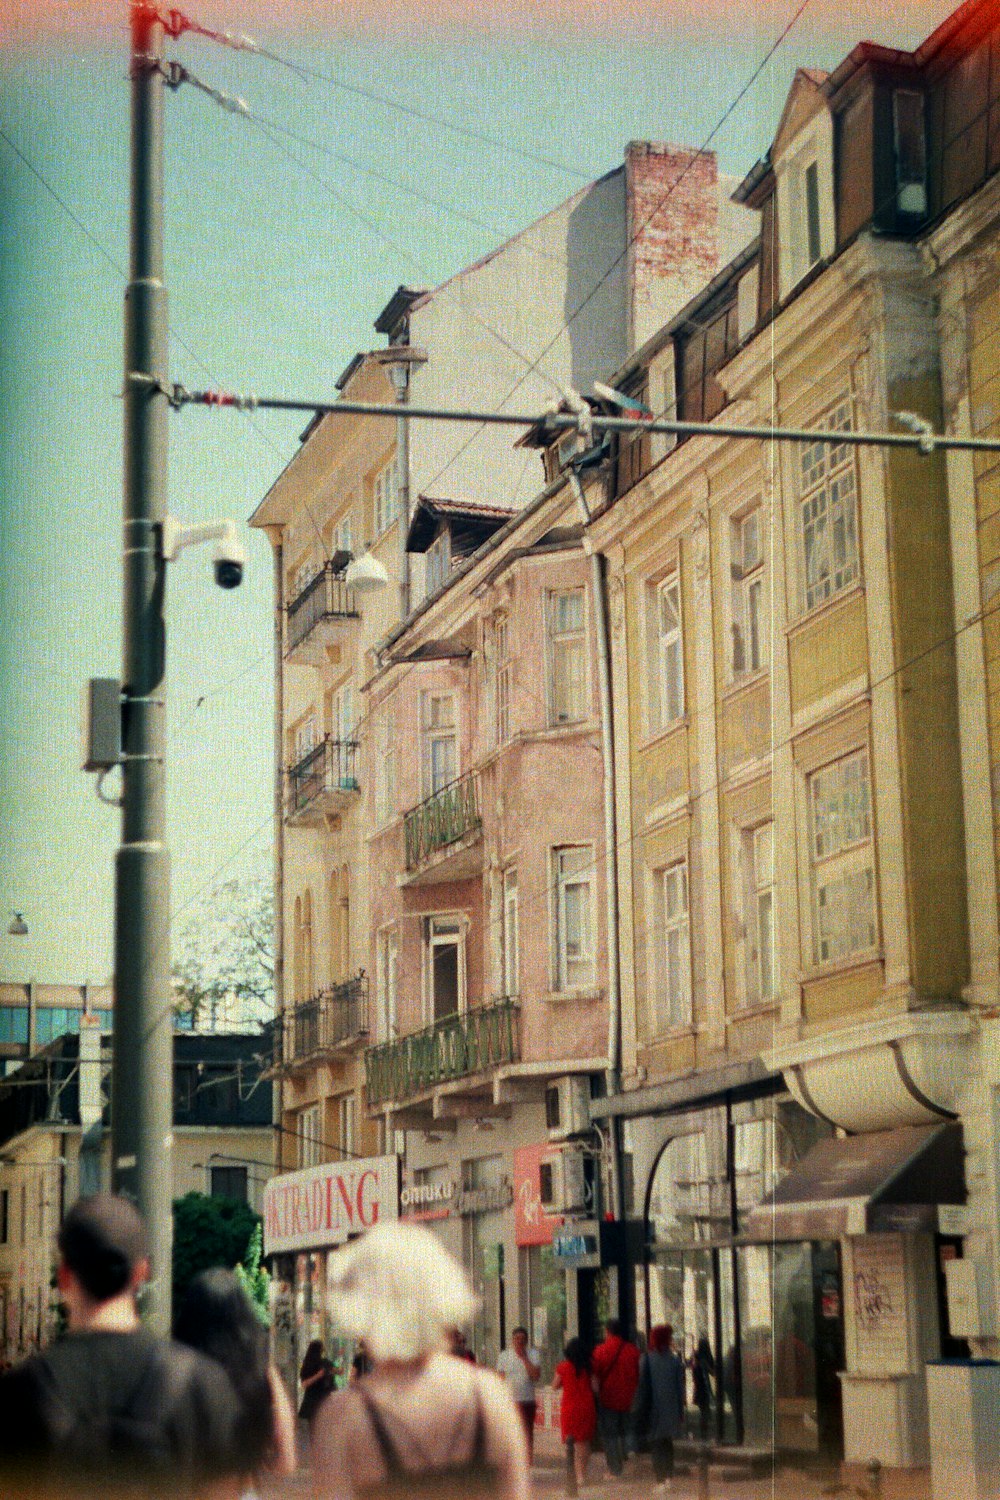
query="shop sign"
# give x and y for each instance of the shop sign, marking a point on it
(532, 1225)
(485, 1200)
(325, 1205)
(578, 1246)
(427, 1200)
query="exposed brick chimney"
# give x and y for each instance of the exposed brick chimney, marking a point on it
(672, 210)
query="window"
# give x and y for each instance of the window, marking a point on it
(343, 728)
(305, 737)
(573, 943)
(438, 561)
(911, 151)
(510, 933)
(440, 757)
(567, 662)
(341, 537)
(674, 987)
(806, 222)
(387, 978)
(758, 906)
(345, 1123)
(184, 1089)
(310, 1137)
(666, 653)
(444, 966)
(843, 876)
(14, 1024)
(228, 1182)
(385, 492)
(502, 681)
(828, 511)
(749, 615)
(387, 781)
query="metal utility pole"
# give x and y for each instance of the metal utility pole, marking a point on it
(142, 1083)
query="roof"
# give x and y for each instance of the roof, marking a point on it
(429, 512)
(397, 307)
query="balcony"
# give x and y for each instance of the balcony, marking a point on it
(318, 616)
(324, 781)
(443, 834)
(331, 1022)
(455, 1048)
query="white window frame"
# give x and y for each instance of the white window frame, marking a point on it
(672, 933)
(385, 497)
(665, 684)
(812, 150)
(310, 1134)
(341, 537)
(347, 1124)
(502, 679)
(438, 727)
(510, 932)
(749, 613)
(437, 562)
(842, 859)
(387, 984)
(305, 737)
(572, 869)
(754, 877)
(567, 659)
(828, 511)
(443, 929)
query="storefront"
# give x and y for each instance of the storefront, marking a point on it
(307, 1215)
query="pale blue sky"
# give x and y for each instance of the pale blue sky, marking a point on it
(275, 272)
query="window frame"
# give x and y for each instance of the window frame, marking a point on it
(837, 859)
(668, 1016)
(659, 645)
(310, 1135)
(432, 733)
(827, 501)
(510, 946)
(563, 880)
(502, 673)
(385, 497)
(744, 578)
(563, 644)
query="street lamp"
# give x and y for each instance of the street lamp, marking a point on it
(365, 574)
(18, 927)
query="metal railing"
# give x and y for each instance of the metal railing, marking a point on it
(326, 596)
(330, 766)
(441, 819)
(330, 1019)
(482, 1038)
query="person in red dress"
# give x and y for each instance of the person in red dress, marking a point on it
(577, 1411)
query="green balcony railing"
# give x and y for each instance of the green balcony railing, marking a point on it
(329, 1020)
(453, 1048)
(441, 819)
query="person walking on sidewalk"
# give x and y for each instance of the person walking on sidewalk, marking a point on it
(577, 1412)
(109, 1409)
(659, 1402)
(615, 1364)
(521, 1368)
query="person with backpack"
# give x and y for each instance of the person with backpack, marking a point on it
(109, 1409)
(615, 1365)
(421, 1425)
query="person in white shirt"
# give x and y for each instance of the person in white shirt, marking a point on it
(521, 1368)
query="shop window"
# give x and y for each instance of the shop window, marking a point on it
(573, 918)
(665, 653)
(749, 612)
(567, 658)
(228, 1182)
(843, 874)
(828, 511)
(672, 961)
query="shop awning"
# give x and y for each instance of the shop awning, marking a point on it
(865, 1184)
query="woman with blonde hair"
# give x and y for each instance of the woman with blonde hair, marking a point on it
(421, 1423)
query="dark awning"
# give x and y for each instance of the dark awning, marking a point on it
(865, 1184)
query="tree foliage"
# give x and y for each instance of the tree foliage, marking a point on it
(225, 953)
(255, 1278)
(209, 1232)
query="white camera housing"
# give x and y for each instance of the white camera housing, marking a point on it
(229, 557)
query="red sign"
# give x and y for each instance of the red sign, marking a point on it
(324, 1205)
(532, 1225)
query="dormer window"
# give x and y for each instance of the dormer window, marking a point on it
(911, 151)
(438, 561)
(805, 202)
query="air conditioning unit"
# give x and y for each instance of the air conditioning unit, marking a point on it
(563, 1181)
(567, 1106)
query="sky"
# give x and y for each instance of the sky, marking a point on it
(407, 140)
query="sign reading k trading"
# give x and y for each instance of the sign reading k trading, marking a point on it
(325, 1205)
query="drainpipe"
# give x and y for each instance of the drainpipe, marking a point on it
(598, 584)
(279, 827)
(400, 376)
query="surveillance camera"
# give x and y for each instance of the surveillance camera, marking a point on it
(229, 560)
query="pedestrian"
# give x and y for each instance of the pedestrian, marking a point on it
(615, 1364)
(218, 1319)
(659, 1402)
(316, 1379)
(420, 1424)
(702, 1374)
(109, 1409)
(521, 1367)
(577, 1411)
(458, 1346)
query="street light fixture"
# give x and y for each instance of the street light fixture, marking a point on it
(18, 927)
(365, 574)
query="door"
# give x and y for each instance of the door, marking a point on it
(828, 1322)
(445, 968)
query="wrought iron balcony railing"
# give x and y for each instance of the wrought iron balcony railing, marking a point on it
(458, 1046)
(442, 819)
(325, 597)
(322, 779)
(332, 1019)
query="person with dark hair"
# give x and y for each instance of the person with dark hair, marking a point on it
(521, 1367)
(109, 1409)
(218, 1319)
(703, 1374)
(316, 1379)
(577, 1412)
(615, 1364)
(659, 1402)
